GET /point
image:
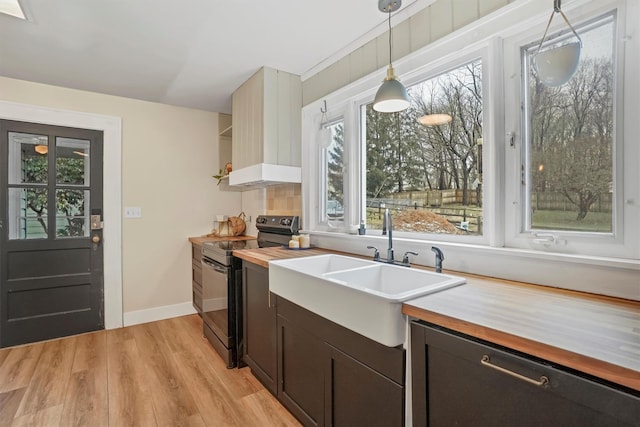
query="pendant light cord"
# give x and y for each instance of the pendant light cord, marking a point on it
(390, 35)
(557, 9)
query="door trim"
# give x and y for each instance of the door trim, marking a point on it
(111, 127)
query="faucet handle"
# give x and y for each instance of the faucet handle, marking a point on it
(405, 258)
(376, 252)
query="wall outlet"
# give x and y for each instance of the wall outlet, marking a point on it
(132, 212)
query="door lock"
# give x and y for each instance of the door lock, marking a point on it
(96, 223)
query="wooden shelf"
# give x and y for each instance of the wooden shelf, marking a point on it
(228, 132)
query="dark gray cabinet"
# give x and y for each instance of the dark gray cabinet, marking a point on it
(323, 373)
(331, 376)
(259, 325)
(360, 396)
(301, 365)
(458, 380)
(196, 277)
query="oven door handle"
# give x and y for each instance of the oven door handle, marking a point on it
(214, 266)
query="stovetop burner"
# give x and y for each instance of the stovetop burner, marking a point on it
(232, 245)
(222, 251)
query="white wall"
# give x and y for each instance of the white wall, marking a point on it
(169, 155)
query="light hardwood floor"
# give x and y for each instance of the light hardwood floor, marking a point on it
(155, 374)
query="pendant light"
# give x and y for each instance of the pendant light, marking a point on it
(557, 65)
(436, 119)
(392, 95)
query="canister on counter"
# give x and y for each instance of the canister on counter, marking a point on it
(304, 240)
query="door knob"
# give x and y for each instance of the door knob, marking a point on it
(95, 238)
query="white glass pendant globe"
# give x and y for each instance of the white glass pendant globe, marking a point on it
(557, 65)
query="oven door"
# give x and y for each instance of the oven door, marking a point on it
(215, 304)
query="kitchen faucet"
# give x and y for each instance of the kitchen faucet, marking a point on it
(386, 222)
(439, 258)
(387, 227)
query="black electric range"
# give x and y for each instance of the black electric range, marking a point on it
(222, 284)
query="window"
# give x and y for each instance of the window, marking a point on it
(520, 165)
(576, 149)
(333, 172)
(570, 139)
(425, 164)
(30, 187)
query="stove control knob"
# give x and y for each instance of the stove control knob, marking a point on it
(285, 221)
(261, 220)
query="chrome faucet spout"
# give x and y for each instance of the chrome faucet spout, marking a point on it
(384, 222)
(439, 258)
(389, 228)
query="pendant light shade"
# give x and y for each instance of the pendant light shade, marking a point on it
(556, 66)
(392, 96)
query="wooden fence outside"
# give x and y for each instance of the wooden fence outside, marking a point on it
(435, 198)
(547, 200)
(470, 216)
(555, 201)
(467, 218)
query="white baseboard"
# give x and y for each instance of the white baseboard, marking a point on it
(158, 313)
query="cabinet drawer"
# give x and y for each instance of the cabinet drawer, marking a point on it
(196, 253)
(196, 272)
(461, 381)
(196, 301)
(197, 290)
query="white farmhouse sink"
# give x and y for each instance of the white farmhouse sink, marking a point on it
(364, 296)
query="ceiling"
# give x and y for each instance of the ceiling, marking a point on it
(191, 53)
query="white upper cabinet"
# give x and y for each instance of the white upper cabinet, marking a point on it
(267, 120)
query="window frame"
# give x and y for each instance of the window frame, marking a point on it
(323, 153)
(501, 126)
(619, 243)
(349, 109)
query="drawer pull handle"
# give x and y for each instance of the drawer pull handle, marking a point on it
(542, 382)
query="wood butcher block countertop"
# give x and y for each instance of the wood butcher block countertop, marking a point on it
(593, 334)
(203, 239)
(262, 256)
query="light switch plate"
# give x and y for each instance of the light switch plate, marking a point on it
(132, 212)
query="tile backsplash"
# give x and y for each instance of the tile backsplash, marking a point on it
(284, 199)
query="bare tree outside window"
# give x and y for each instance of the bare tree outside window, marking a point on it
(429, 176)
(571, 140)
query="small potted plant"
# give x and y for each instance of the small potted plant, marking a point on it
(223, 173)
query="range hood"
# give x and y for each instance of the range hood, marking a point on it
(265, 174)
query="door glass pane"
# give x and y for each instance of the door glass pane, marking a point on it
(27, 213)
(27, 158)
(72, 161)
(570, 177)
(72, 207)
